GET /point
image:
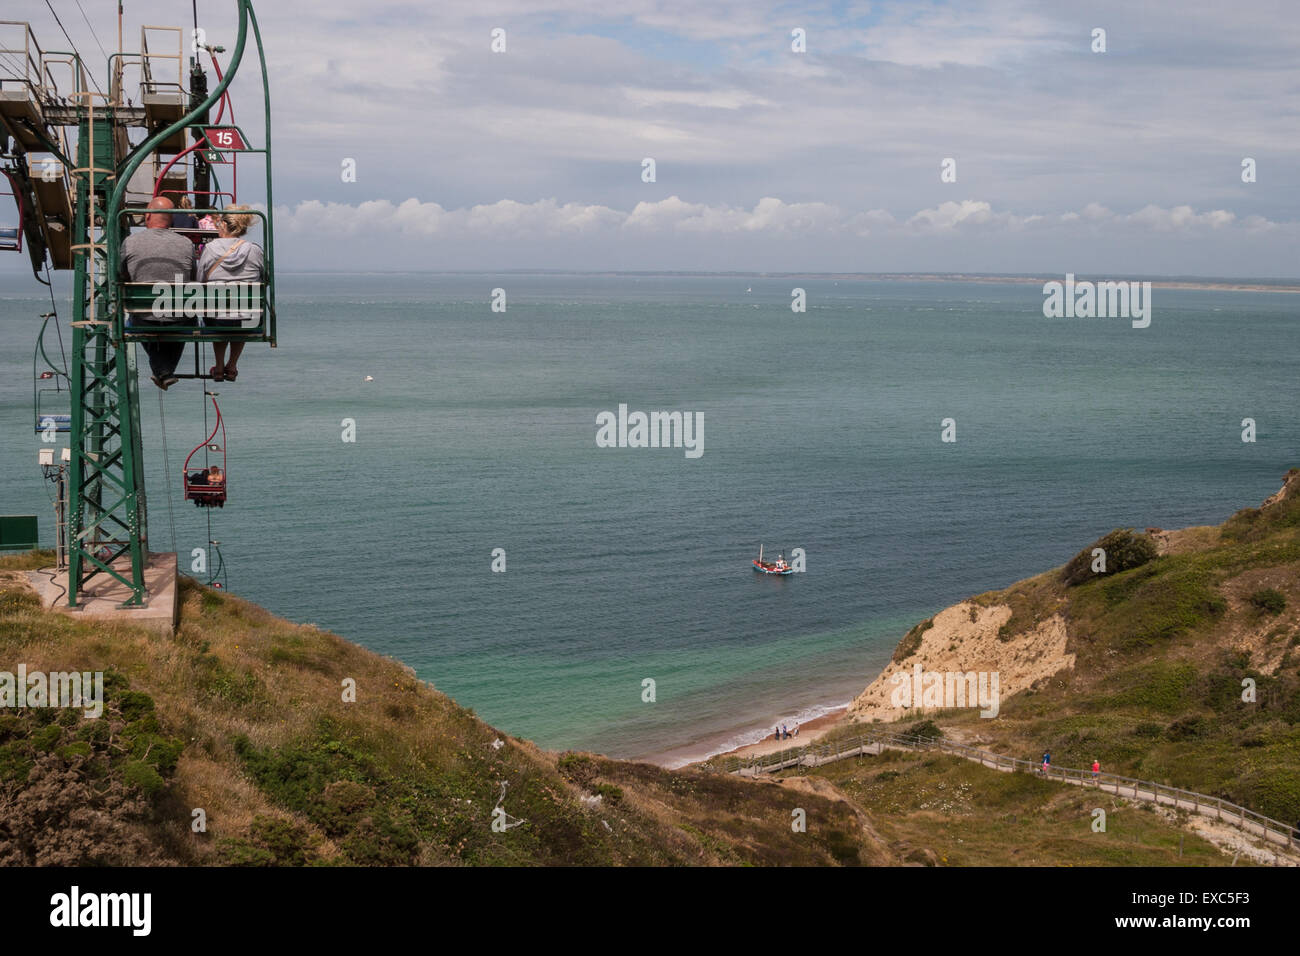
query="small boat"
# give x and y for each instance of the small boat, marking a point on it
(779, 566)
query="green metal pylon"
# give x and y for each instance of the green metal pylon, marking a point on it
(107, 505)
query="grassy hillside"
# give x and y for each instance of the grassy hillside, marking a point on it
(1163, 648)
(241, 715)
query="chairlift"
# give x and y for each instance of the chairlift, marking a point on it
(11, 237)
(206, 486)
(50, 402)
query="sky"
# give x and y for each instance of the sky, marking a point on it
(1066, 159)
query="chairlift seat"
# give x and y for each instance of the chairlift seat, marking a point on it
(185, 311)
(202, 493)
(60, 423)
(9, 239)
(197, 484)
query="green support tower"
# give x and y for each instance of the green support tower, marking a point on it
(74, 214)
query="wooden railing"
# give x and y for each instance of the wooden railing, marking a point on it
(872, 742)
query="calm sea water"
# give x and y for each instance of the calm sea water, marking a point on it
(822, 431)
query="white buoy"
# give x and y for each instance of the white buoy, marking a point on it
(370, 378)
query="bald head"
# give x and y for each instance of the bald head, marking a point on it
(159, 219)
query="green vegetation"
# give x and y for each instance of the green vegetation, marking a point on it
(1168, 655)
(1125, 549)
(1187, 672)
(938, 810)
(79, 791)
(1269, 601)
(240, 715)
(910, 644)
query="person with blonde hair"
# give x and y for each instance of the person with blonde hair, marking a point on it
(231, 258)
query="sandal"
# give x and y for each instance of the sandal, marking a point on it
(232, 374)
(215, 375)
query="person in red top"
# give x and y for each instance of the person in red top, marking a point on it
(1096, 769)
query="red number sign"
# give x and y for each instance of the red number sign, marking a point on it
(226, 137)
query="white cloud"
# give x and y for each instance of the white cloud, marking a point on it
(510, 219)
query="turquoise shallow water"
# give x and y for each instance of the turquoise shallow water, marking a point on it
(821, 431)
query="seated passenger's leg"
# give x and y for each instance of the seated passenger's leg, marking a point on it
(170, 354)
(236, 350)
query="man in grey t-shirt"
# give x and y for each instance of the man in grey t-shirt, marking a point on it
(158, 255)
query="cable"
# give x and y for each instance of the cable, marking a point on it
(167, 469)
(57, 327)
(54, 580)
(13, 58)
(92, 31)
(90, 73)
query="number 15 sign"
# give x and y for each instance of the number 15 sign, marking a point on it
(225, 137)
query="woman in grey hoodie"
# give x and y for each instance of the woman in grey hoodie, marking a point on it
(231, 258)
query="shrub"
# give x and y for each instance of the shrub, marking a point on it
(1125, 549)
(235, 852)
(578, 769)
(288, 843)
(383, 839)
(1268, 601)
(911, 643)
(341, 805)
(144, 777)
(1186, 727)
(926, 728)
(134, 704)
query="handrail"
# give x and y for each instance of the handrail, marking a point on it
(137, 156)
(30, 64)
(817, 754)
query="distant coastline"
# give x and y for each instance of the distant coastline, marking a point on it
(1209, 283)
(1220, 284)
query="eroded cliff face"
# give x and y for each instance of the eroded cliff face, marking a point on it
(1290, 487)
(963, 639)
(973, 636)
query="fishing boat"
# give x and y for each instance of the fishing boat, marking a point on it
(779, 566)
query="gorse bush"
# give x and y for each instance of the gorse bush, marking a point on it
(1268, 601)
(1125, 549)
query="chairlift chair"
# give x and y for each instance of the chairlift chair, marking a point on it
(11, 237)
(199, 486)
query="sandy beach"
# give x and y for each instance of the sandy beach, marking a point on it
(808, 732)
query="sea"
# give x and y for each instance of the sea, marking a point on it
(603, 598)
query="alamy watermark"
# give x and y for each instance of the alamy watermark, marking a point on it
(1102, 300)
(651, 430)
(942, 690)
(195, 299)
(56, 689)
